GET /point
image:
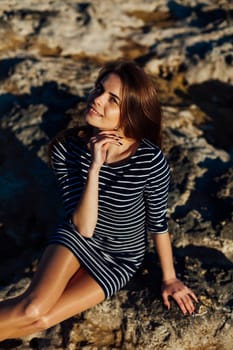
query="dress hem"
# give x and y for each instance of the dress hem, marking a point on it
(82, 264)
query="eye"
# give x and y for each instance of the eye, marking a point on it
(113, 100)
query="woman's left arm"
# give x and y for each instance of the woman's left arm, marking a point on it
(171, 285)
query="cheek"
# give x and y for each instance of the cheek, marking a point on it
(116, 118)
(113, 112)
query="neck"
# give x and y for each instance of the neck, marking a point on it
(118, 153)
(118, 132)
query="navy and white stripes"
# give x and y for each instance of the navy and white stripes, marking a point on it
(132, 200)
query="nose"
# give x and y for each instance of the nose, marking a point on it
(99, 98)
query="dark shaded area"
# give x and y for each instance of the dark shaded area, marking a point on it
(39, 343)
(207, 256)
(10, 344)
(204, 198)
(214, 98)
(84, 17)
(9, 248)
(199, 16)
(180, 11)
(199, 267)
(56, 98)
(201, 48)
(230, 304)
(7, 66)
(41, 16)
(151, 279)
(28, 196)
(66, 326)
(30, 206)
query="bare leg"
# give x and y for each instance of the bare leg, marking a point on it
(55, 270)
(82, 293)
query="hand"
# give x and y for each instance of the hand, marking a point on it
(100, 143)
(180, 293)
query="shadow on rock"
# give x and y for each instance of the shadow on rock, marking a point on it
(205, 198)
(7, 66)
(30, 206)
(55, 97)
(10, 344)
(215, 99)
(207, 256)
(199, 16)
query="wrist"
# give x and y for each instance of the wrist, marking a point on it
(170, 280)
(94, 169)
(168, 273)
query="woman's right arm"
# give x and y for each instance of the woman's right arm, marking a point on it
(86, 212)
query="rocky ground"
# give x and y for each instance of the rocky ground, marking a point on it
(50, 52)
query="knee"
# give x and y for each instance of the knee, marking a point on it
(33, 310)
(41, 324)
(34, 313)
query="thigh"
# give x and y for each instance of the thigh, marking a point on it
(82, 293)
(56, 267)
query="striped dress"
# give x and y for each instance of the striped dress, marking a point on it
(132, 201)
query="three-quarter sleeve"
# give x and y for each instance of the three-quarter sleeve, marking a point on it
(65, 162)
(156, 194)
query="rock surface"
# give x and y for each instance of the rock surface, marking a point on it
(50, 53)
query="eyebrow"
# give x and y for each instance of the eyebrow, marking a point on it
(115, 96)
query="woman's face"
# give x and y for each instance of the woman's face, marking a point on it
(104, 102)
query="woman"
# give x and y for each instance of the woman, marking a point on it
(114, 181)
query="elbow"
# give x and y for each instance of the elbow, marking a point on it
(84, 230)
(87, 233)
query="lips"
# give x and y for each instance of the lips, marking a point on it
(94, 111)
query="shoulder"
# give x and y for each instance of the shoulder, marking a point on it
(77, 134)
(154, 157)
(68, 140)
(151, 151)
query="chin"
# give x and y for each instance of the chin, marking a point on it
(90, 120)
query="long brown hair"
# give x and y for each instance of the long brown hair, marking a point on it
(140, 111)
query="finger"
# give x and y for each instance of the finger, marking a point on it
(166, 300)
(99, 142)
(109, 134)
(93, 139)
(113, 142)
(193, 296)
(190, 296)
(187, 291)
(189, 306)
(107, 138)
(185, 303)
(181, 305)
